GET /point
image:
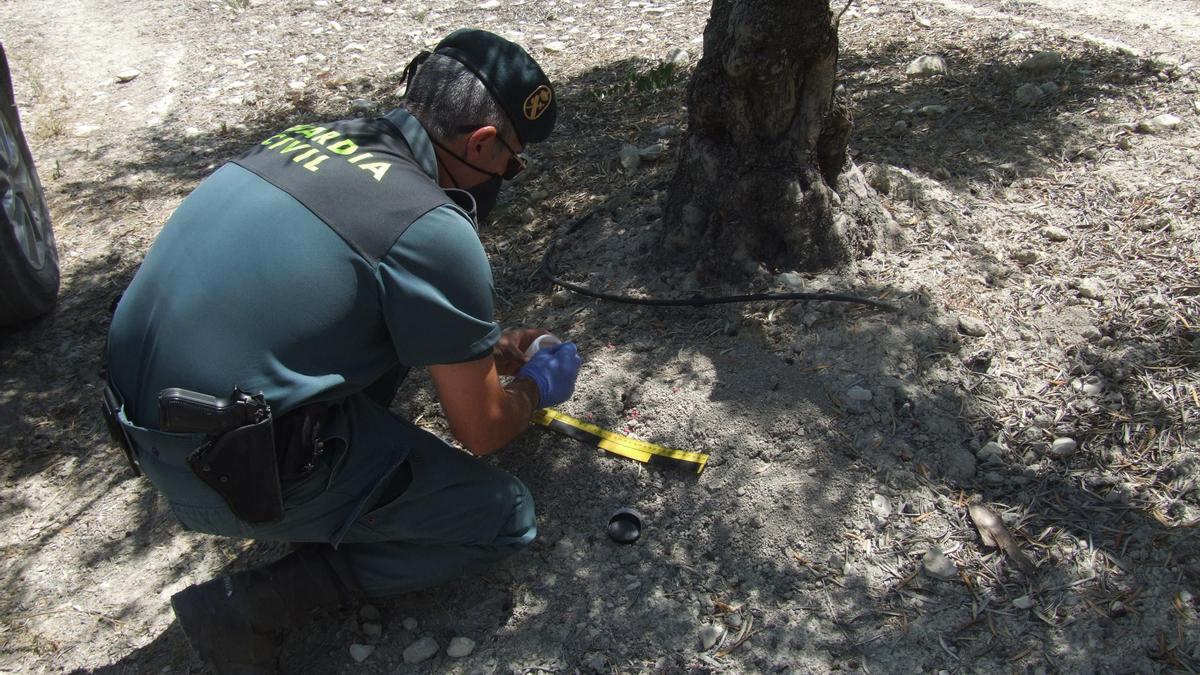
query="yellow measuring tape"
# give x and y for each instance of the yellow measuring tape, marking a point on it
(610, 441)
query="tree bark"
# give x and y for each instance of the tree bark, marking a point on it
(763, 174)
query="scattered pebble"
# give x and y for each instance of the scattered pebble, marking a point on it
(1028, 93)
(409, 623)
(926, 66)
(369, 612)
(960, 465)
(857, 393)
(360, 652)
(733, 620)
(991, 451)
(421, 650)
(630, 157)
(372, 629)
(1091, 289)
(677, 56)
(709, 635)
(596, 662)
(297, 85)
(128, 75)
(362, 106)
(555, 46)
(881, 505)
(1042, 62)
(1159, 124)
(1118, 609)
(489, 4)
(1063, 447)
(969, 325)
(937, 565)
(460, 647)
(561, 298)
(1054, 233)
(933, 110)
(652, 152)
(665, 131)
(1023, 602)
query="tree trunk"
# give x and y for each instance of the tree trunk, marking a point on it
(763, 174)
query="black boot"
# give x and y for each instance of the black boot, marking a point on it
(235, 623)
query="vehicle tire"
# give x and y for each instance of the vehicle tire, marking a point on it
(29, 276)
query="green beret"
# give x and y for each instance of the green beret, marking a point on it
(511, 75)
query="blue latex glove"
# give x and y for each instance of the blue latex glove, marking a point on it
(553, 370)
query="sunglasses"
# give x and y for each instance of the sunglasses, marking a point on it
(516, 161)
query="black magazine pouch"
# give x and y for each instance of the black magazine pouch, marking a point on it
(240, 465)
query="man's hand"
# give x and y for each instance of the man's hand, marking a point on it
(509, 352)
(554, 371)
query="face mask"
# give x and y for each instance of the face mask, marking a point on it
(485, 195)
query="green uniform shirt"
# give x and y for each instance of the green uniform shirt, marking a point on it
(246, 286)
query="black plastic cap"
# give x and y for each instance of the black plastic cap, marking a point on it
(625, 526)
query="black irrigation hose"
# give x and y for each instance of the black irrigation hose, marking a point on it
(547, 270)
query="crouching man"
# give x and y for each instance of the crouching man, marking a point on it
(253, 357)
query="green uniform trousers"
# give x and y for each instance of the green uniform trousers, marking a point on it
(407, 509)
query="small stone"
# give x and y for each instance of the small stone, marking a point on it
(300, 60)
(857, 393)
(369, 612)
(969, 325)
(460, 647)
(933, 110)
(991, 452)
(677, 56)
(937, 565)
(297, 85)
(372, 629)
(652, 152)
(362, 106)
(926, 66)
(128, 75)
(1063, 447)
(596, 662)
(1023, 602)
(1118, 609)
(709, 635)
(960, 465)
(555, 46)
(1042, 62)
(733, 620)
(1024, 256)
(1028, 93)
(421, 650)
(1186, 598)
(1054, 233)
(561, 298)
(1090, 288)
(489, 4)
(360, 652)
(881, 505)
(409, 624)
(630, 157)
(665, 131)
(1159, 124)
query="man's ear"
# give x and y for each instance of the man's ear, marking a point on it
(479, 140)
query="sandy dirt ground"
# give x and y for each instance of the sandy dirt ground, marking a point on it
(1043, 363)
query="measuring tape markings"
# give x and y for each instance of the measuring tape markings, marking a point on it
(632, 448)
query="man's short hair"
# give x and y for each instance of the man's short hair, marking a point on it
(448, 99)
